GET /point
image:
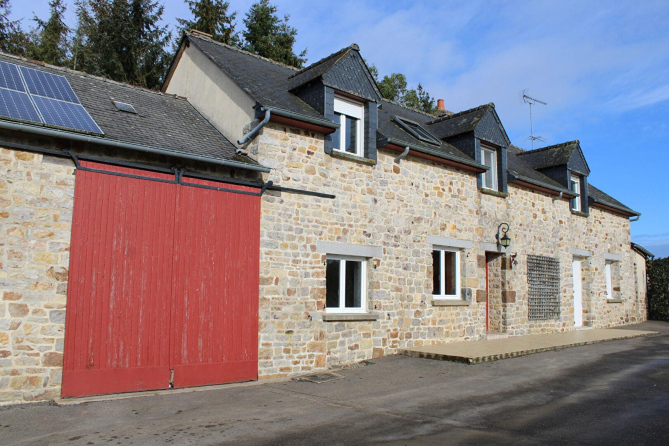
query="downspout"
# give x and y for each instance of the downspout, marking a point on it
(256, 129)
(560, 195)
(402, 155)
(54, 133)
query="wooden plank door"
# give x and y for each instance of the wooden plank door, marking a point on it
(215, 312)
(118, 319)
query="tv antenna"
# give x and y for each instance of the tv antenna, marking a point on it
(532, 101)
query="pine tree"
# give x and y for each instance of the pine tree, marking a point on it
(50, 39)
(12, 38)
(122, 40)
(269, 36)
(211, 17)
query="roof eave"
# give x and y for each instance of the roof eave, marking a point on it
(534, 184)
(472, 166)
(614, 208)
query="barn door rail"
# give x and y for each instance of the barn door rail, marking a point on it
(178, 173)
(181, 173)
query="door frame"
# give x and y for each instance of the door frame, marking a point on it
(577, 292)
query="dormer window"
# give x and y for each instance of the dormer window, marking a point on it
(349, 137)
(490, 160)
(575, 186)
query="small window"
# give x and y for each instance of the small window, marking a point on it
(345, 285)
(349, 137)
(122, 106)
(575, 186)
(490, 160)
(417, 131)
(446, 273)
(608, 278)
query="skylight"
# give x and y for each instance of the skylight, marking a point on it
(417, 131)
(122, 106)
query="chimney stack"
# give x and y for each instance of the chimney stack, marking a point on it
(440, 104)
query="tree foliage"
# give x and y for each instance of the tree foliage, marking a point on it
(12, 38)
(657, 288)
(211, 17)
(122, 40)
(49, 41)
(394, 88)
(269, 36)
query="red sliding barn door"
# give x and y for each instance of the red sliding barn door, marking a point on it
(163, 282)
(215, 308)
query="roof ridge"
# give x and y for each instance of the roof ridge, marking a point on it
(239, 50)
(88, 75)
(454, 115)
(342, 51)
(407, 107)
(526, 152)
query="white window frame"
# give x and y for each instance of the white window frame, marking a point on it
(493, 171)
(343, 276)
(354, 110)
(442, 295)
(576, 203)
(608, 280)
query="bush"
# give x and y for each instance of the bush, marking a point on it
(657, 288)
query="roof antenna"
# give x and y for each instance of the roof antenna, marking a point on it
(531, 101)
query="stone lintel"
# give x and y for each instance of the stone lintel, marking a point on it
(347, 249)
(449, 242)
(450, 303)
(613, 257)
(580, 252)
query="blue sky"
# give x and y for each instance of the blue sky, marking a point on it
(602, 67)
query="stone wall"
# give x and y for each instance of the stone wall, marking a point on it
(396, 207)
(36, 201)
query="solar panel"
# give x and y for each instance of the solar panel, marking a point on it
(17, 105)
(48, 85)
(42, 98)
(10, 77)
(122, 106)
(65, 114)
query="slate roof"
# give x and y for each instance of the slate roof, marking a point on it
(395, 133)
(596, 196)
(269, 83)
(318, 68)
(162, 121)
(265, 80)
(556, 155)
(458, 123)
(519, 169)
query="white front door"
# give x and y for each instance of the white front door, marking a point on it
(577, 286)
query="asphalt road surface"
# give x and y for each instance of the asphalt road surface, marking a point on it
(612, 393)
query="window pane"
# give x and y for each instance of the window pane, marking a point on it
(450, 272)
(332, 283)
(350, 135)
(436, 272)
(352, 296)
(336, 134)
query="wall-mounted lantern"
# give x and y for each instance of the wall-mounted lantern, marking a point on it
(503, 241)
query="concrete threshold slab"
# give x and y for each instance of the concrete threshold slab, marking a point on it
(473, 352)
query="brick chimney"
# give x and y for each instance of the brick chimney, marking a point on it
(440, 104)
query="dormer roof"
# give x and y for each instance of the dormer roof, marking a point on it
(482, 120)
(564, 154)
(344, 70)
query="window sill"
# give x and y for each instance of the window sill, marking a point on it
(348, 156)
(579, 213)
(451, 303)
(492, 192)
(344, 317)
(614, 301)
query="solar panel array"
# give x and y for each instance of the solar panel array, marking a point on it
(42, 98)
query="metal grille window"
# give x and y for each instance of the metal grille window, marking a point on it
(544, 279)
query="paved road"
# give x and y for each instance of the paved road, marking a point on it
(604, 394)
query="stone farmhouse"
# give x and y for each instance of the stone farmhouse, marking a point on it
(255, 221)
